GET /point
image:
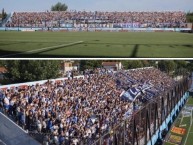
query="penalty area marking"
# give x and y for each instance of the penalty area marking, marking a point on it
(45, 48)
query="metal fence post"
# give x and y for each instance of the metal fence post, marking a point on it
(124, 133)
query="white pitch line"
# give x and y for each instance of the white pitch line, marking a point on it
(188, 129)
(45, 48)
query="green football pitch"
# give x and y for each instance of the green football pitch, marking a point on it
(95, 44)
(187, 138)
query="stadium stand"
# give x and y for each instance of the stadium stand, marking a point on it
(81, 110)
(165, 19)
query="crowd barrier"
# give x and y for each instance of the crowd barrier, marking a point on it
(147, 124)
(96, 29)
(23, 85)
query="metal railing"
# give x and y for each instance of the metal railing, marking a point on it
(139, 128)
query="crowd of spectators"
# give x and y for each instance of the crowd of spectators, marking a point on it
(55, 19)
(77, 109)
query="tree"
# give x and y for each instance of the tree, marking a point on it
(189, 17)
(153, 63)
(181, 67)
(181, 63)
(31, 70)
(59, 7)
(130, 64)
(4, 14)
(90, 64)
(2, 63)
(145, 63)
(167, 65)
(190, 66)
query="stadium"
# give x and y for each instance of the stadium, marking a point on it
(101, 107)
(96, 34)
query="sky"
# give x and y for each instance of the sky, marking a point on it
(99, 5)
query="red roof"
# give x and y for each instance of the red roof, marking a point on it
(3, 69)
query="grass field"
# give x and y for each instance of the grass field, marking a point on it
(187, 138)
(95, 44)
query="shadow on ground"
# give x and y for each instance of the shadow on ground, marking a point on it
(39, 55)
